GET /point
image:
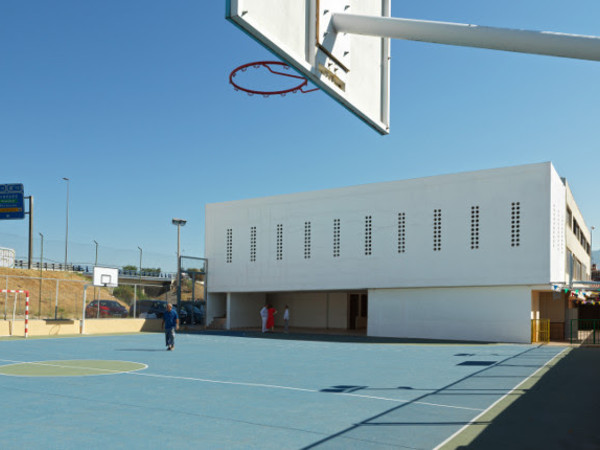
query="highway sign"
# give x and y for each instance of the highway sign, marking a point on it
(11, 201)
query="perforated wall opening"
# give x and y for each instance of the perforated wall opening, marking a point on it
(401, 232)
(368, 235)
(515, 224)
(474, 227)
(252, 244)
(336, 238)
(229, 246)
(307, 240)
(279, 255)
(437, 230)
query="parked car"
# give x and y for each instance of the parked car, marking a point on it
(194, 310)
(108, 308)
(141, 308)
(159, 307)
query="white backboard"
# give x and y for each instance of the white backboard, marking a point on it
(353, 69)
(106, 277)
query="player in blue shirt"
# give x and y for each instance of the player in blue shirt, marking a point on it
(170, 323)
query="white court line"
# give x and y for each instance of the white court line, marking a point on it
(475, 419)
(289, 388)
(46, 364)
(234, 383)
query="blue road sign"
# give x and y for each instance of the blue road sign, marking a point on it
(11, 201)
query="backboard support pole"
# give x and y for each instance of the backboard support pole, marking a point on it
(466, 35)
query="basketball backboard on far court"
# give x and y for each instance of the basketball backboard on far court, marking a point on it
(106, 277)
(351, 68)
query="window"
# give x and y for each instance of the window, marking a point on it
(229, 245)
(515, 224)
(569, 218)
(307, 238)
(368, 235)
(279, 242)
(437, 230)
(474, 227)
(252, 244)
(336, 238)
(401, 232)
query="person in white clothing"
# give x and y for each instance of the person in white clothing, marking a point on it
(263, 315)
(286, 318)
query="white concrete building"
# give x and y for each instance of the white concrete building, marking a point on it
(468, 256)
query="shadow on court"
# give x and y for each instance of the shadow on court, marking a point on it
(321, 336)
(560, 411)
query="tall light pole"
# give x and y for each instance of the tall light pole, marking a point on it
(41, 275)
(135, 296)
(96, 260)
(95, 264)
(592, 248)
(179, 223)
(67, 226)
(139, 248)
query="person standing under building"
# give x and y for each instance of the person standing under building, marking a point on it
(264, 314)
(170, 323)
(286, 319)
(271, 318)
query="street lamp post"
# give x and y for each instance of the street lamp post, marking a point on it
(67, 225)
(592, 248)
(95, 264)
(179, 223)
(140, 285)
(41, 275)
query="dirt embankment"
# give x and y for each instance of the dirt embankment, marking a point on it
(50, 292)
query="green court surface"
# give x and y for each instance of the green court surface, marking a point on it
(239, 391)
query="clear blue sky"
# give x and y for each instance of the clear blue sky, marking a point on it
(130, 100)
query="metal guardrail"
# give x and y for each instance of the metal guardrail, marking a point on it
(85, 269)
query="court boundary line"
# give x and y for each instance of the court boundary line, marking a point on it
(206, 380)
(43, 363)
(291, 388)
(475, 420)
(341, 434)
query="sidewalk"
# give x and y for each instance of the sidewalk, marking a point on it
(560, 411)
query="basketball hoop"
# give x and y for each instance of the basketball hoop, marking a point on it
(268, 65)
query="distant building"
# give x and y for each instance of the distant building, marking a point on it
(468, 256)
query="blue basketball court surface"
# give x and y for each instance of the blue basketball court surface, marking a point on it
(236, 391)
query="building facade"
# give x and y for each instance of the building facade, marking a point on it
(468, 256)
